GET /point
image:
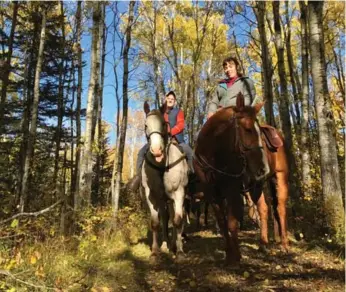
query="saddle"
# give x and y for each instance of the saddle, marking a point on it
(271, 137)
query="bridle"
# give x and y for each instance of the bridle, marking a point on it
(242, 155)
(163, 134)
(167, 145)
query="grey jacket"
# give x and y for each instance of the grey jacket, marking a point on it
(224, 96)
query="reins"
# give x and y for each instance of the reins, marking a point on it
(166, 167)
(238, 142)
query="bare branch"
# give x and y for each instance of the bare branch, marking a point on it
(8, 274)
(31, 213)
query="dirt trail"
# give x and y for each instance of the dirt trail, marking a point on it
(203, 269)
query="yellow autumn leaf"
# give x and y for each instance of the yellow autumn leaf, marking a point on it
(33, 260)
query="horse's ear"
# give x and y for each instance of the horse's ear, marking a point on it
(163, 108)
(240, 101)
(258, 107)
(146, 107)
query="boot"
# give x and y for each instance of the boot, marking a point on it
(134, 183)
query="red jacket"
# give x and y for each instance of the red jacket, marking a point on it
(180, 123)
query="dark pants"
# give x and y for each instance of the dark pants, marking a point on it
(186, 148)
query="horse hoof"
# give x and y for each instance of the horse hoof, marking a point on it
(180, 257)
(263, 248)
(164, 247)
(284, 249)
(232, 263)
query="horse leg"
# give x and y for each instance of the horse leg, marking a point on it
(164, 217)
(253, 212)
(206, 207)
(280, 208)
(178, 222)
(198, 213)
(221, 222)
(154, 222)
(258, 198)
(272, 187)
(234, 216)
(187, 208)
(155, 226)
(262, 208)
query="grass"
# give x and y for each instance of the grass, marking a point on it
(101, 259)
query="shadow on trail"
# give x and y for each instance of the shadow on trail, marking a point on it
(204, 267)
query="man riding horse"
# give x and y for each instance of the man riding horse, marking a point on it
(174, 118)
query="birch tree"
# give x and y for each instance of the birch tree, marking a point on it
(118, 161)
(332, 195)
(86, 166)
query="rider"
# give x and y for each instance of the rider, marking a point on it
(175, 118)
(228, 89)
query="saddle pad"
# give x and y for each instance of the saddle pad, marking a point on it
(272, 139)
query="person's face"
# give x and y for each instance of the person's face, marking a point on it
(170, 100)
(230, 69)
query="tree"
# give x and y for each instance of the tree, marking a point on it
(305, 156)
(332, 195)
(87, 162)
(267, 67)
(7, 65)
(284, 106)
(32, 132)
(76, 174)
(118, 162)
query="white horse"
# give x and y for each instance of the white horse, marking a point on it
(164, 178)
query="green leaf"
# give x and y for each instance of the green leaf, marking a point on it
(14, 223)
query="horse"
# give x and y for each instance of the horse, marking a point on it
(164, 178)
(231, 158)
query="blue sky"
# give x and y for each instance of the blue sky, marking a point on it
(109, 98)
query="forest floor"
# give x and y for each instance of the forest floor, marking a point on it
(304, 268)
(109, 262)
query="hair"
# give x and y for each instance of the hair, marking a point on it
(171, 93)
(236, 62)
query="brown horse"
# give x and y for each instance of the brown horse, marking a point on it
(230, 158)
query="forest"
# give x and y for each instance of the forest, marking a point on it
(74, 76)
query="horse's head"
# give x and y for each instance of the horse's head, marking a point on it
(155, 131)
(250, 142)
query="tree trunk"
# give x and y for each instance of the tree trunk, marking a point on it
(60, 111)
(305, 156)
(118, 161)
(291, 68)
(284, 106)
(332, 195)
(75, 182)
(86, 165)
(99, 131)
(7, 67)
(34, 115)
(266, 63)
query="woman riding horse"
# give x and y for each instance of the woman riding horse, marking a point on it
(231, 157)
